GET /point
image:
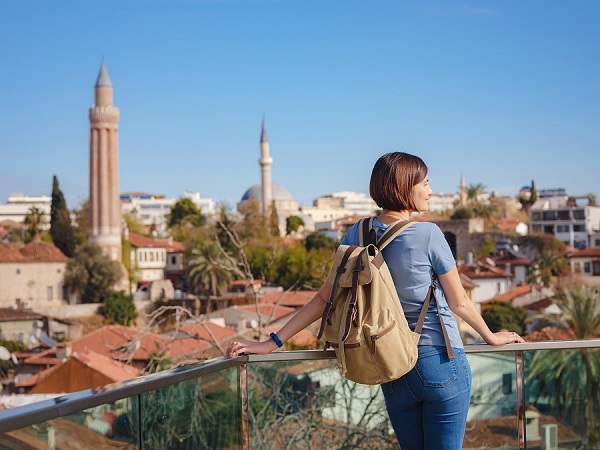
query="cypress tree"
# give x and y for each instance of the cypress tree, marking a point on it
(61, 229)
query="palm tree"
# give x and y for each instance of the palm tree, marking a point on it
(549, 265)
(474, 191)
(33, 222)
(207, 269)
(568, 377)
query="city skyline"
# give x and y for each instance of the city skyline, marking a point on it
(500, 92)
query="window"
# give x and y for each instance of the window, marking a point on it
(578, 214)
(596, 268)
(151, 256)
(564, 215)
(536, 216)
(586, 267)
(49, 293)
(549, 215)
(173, 259)
(18, 271)
(597, 243)
(579, 228)
(577, 267)
(562, 228)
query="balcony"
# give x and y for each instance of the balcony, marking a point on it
(541, 395)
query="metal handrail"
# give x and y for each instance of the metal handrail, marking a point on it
(22, 416)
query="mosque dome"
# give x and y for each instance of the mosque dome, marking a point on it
(279, 193)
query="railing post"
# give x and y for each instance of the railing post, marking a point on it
(520, 400)
(244, 399)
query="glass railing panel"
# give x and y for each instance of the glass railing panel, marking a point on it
(200, 413)
(492, 417)
(308, 404)
(562, 393)
(102, 427)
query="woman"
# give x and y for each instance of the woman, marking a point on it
(428, 406)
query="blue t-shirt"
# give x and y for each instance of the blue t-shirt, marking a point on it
(411, 257)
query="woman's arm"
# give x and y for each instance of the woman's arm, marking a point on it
(463, 307)
(308, 314)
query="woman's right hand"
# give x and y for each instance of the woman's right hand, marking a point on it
(250, 347)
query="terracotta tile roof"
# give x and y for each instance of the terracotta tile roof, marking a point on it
(593, 252)
(292, 299)
(171, 246)
(120, 342)
(273, 311)
(31, 253)
(501, 432)
(511, 294)
(306, 367)
(44, 358)
(37, 377)
(115, 370)
(479, 270)
(550, 333)
(15, 315)
(205, 329)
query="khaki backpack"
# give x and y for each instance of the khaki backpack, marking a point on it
(363, 320)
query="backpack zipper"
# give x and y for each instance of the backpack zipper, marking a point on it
(377, 336)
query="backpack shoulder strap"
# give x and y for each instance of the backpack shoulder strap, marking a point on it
(367, 233)
(393, 230)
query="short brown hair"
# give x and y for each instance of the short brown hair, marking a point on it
(393, 178)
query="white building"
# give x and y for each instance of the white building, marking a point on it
(570, 222)
(19, 205)
(443, 202)
(152, 210)
(32, 275)
(356, 203)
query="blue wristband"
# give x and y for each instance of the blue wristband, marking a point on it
(276, 339)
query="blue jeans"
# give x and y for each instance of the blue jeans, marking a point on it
(428, 406)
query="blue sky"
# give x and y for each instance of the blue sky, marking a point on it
(501, 91)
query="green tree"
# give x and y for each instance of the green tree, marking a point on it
(274, 220)
(81, 224)
(485, 210)
(571, 378)
(119, 308)
(462, 213)
(319, 240)
(592, 199)
(473, 193)
(186, 211)
(207, 270)
(293, 224)
(224, 227)
(91, 274)
(504, 316)
(61, 229)
(33, 222)
(549, 265)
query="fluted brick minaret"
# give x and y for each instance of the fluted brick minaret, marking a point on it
(105, 211)
(265, 162)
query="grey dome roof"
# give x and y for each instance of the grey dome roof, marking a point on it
(279, 193)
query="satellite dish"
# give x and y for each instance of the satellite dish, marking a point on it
(521, 228)
(4, 354)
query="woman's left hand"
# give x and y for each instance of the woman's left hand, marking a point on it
(506, 337)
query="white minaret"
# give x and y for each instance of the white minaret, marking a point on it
(105, 212)
(265, 162)
(463, 191)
